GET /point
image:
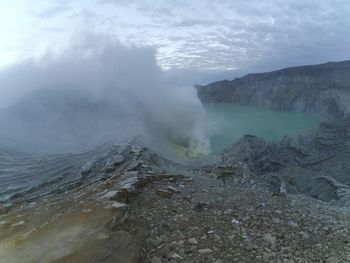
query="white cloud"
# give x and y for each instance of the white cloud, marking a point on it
(96, 90)
(205, 34)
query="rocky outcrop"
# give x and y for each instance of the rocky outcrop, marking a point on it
(316, 164)
(134, 206)
(323, 90)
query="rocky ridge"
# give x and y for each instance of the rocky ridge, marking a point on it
(132, 205)
(317, 162)
(323, 90)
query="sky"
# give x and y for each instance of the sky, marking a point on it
(203, 40)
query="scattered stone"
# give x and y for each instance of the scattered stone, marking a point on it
(193, 241)
(333, 260)
(177, 256)
(228, 211)
(220, 199)
(249, 247)
(199, 206)
(173, 189)
(270, 239)
(19, 223)
(115, 204)
(279, 194)
(172, 229)
(102, 236)
(122, 195)
(304, 235)
(109, 169)
(245, 235)
(109, 195)
(157, 242)
(292, 223)
(217, 238)
(318, 245)
(86, 169)
(164, 193)
(235, 221)
(118, 159)
(205, 251)
(156, 260)
(32, 204)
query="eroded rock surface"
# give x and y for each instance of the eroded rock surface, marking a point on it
(316, 164)
(323, 90)
(144, 208)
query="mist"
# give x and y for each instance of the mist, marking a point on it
(95, 91)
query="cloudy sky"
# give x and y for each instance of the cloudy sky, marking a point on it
(233, 37)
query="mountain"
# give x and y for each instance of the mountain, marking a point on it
(323, 90)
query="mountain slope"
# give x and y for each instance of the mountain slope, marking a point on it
(323, 90)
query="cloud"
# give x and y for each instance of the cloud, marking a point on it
(249, 35)
(95, 91)
(52, 12)
(210, 35)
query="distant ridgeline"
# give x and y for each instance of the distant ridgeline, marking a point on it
(323, 90)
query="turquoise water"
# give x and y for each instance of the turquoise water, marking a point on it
(229, 122)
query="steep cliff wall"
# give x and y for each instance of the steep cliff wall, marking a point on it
(323, 90)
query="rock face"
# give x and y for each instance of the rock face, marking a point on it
(316, 164)
(131, 205)
(323, 90)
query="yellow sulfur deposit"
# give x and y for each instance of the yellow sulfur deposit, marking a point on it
(195, 149)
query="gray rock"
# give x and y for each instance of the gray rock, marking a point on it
(234, 221)
(177, 256)
(245, 235)
(320, 89)
(333, 260)
(304, 235)
(228, 211)
(316, 164)
(205, 251)
(270, 239)
(157, 242)
(173, 189)
(192, 241)
(156, 260)
(109, 195)
(19, 223)
(163, 193)
(118, 159)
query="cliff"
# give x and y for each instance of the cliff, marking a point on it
(323, 90)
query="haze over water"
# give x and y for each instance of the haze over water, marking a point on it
(231, 121)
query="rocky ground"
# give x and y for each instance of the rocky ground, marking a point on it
(315, 164)
(135, 206)
(205, 220)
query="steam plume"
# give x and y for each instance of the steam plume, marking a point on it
(96, 90)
